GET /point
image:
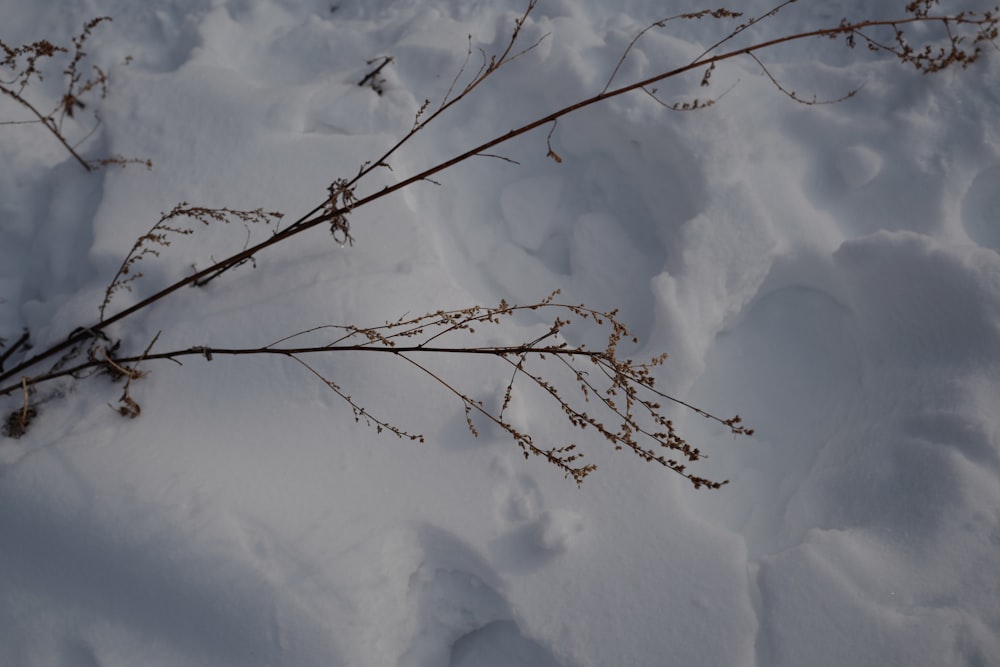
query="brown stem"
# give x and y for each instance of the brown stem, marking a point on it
(321, 214)
(48, 123)
(293, 351)
(22, 341)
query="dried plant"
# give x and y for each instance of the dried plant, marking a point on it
(337, 207)
(29, 62)
(159, 237)
(17, 421)
(117, 369)
(597, 390)
(960, 47)
(373, 79)
(23, 342)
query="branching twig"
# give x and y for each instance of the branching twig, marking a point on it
(624, 390)
(791, 94)
(26, 64)
(129, 407)
(372, 77)
(714, 13)
(18, 420)
(491, 64)
(983, 27)
(159, 236)
(623, 378)
(18, 344)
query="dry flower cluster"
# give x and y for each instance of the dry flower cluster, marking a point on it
(30, 62)
(596, 390)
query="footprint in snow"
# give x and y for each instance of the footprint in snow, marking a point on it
(427, 599)
(532, 536)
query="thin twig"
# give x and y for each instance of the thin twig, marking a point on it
(986, 25)
(14, 348)
(794, 97)
(24, 409)
(49, 124)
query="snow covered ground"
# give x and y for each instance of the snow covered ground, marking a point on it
(832, 273)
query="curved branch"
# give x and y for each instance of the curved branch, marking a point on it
(324, 213)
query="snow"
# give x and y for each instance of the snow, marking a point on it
(832, 273)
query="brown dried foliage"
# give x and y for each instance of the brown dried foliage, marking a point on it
(29, 62)
(159, 236)
(596, 390)
(17, 421)
(373, 79)
(961, 39)
(127, 406)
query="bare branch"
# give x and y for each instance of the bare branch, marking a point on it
(794, 97)
(27, 64)
(983, 27)
(662, 23)
(623, 390)
(626, 393)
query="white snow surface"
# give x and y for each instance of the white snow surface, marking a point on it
(831, 273)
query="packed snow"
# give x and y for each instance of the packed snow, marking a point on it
(829, 272)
